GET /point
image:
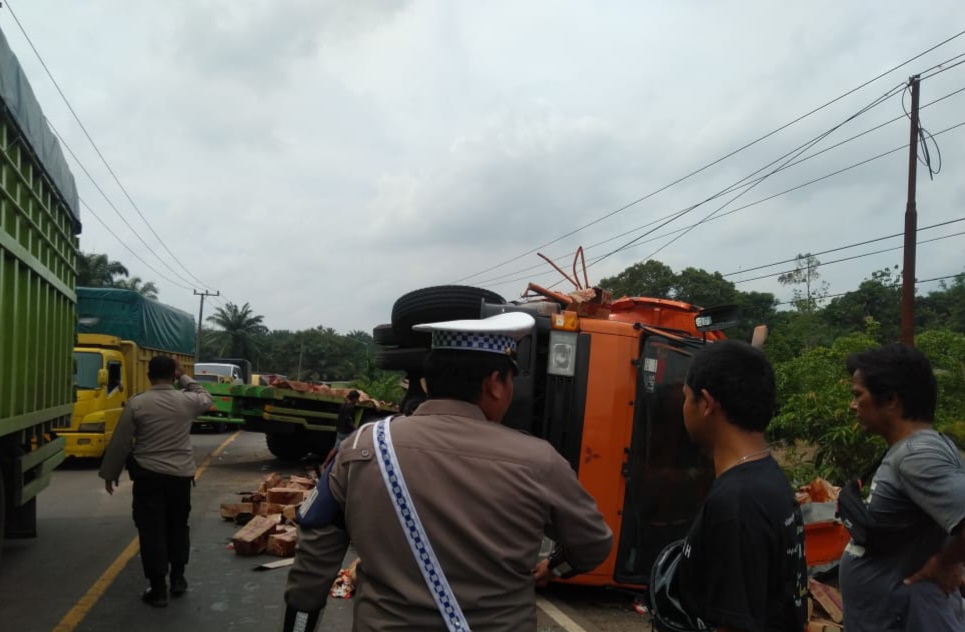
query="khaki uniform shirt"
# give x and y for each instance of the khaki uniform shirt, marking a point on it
(486, 495)
(156, 427)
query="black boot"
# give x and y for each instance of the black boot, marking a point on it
(179, 585)
(157, 594)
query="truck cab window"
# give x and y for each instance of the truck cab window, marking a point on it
(113, 376)
(86, 366)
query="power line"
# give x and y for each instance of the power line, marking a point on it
(797, 153)
(890, 287)
(131, 250)
(852, 258)
(732, 188)
(839, 248)
(494, 283)
(97, 149)
(715, 162)
(111, 204)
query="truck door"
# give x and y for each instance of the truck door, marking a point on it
(666, 476)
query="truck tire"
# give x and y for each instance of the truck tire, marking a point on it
(407, 359)
(435, 304)
(384, 335)
(286, 447)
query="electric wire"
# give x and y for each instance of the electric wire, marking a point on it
(803, 148)
(97, 149)
(851, 258)
(499, 280)
(717, 161)
(111, 204)
(890, 287)
(840, 248)
(129, 249)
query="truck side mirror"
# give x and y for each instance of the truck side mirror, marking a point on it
(101, 377)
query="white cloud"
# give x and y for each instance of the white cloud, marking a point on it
(317, 159)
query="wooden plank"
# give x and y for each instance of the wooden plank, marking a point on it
(285, 496)
(282, 544)
(252, 539)
(828, 598)
(230, 511)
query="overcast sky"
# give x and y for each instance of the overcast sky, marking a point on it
(317, 159)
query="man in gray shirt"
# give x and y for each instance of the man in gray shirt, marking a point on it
(909, 577)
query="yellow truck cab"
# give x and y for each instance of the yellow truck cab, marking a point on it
(119, 331)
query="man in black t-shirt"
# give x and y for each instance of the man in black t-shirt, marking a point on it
(344, 425)
(743, 564)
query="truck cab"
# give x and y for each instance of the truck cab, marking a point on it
(103, 382)
(218, 373)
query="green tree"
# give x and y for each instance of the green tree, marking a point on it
(813, 398)
(97, 270)
(808, 297)
(649, 278)
(878, 297)
(705, 289)
(241, 331)
(148, 289)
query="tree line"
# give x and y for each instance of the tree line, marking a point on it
(808, 343)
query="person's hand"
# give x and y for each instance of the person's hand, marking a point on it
(542, 574)
(947, 576)
(178, 369)
(109, 486)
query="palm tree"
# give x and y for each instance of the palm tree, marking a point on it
(148, 290)
(241, 331)
(96, 270)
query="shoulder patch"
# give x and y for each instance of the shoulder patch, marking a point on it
(320, 509)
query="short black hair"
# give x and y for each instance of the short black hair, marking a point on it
(452, 374)
(353, 394)
(161, 368)
(898, 370)
(740, 378)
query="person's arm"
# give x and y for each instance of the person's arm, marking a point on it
(119, 448)
(200, 399)
(576, 524)
(945, 567)
(936, 483)
(318, 560)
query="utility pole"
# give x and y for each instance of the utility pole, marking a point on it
(197, 340)
(911, 225)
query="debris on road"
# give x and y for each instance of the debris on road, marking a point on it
(267, 515)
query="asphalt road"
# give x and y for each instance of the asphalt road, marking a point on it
(83, 574)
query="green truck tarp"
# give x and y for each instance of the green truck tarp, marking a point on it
(17, 97)
(130, 316)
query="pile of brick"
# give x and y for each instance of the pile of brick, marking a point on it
(267, 515)
(825, 609)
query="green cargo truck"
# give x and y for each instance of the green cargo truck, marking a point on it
(39, 224)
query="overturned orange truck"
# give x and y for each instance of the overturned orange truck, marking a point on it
(601, 380)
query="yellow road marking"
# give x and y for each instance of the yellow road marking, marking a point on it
(76, 614)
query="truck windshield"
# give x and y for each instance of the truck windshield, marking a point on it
(86, 366)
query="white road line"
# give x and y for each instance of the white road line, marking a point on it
(557, 615)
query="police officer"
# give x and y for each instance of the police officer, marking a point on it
(153, 438)
(483, 495)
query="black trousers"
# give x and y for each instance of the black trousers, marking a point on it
(162, 504)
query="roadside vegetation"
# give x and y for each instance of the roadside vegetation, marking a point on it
(810, 337)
